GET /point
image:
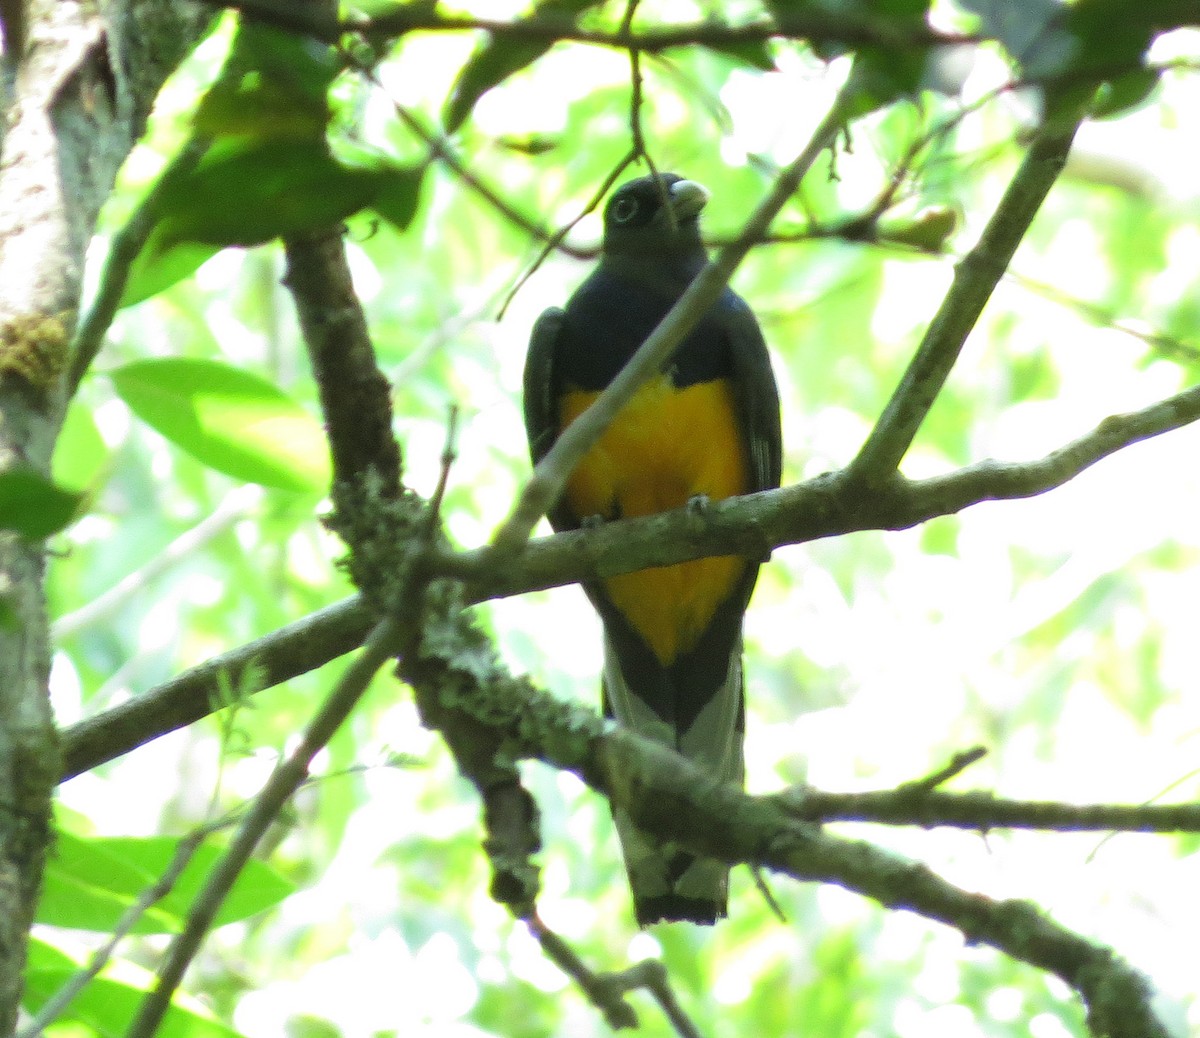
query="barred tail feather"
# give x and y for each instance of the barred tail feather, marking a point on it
(668, 883)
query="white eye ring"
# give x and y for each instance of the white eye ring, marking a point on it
(624, 210)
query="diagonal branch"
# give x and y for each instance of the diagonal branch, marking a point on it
(300, 647)
(975, 278)
(552, 472)
(388, 637)
(55, 1006)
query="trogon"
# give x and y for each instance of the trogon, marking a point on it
(706, 426)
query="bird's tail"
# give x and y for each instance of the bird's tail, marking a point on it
(668, 883)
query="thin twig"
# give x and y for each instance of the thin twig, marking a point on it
(981, 810)
(440, 149)
(56, 1005)
(607, 991)
(287, 777)
(1102, 316)
(234, 506)
(636, 100)
(1173, 784)
(764, 890)
(957, 764)
(808, 24)
(555, 241)
(602, 993)
(449, 456)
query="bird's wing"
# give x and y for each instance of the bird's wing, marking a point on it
(757, 396)
(541, 408)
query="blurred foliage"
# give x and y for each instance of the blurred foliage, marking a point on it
(1058, 632)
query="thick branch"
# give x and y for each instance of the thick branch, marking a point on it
(672, 797)
(668, 795)
(826, 506)
(355, 397)
(71, 112)
(293, 650)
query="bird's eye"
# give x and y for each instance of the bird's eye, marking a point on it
(624, 209)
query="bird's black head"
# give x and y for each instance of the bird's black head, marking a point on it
(654, 214)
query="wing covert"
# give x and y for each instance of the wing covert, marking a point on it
(541, 408)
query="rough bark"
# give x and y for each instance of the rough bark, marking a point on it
(78, 102)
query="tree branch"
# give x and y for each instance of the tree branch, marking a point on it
(552, 472)
(296, 649)
(826, 506)
(387, 638)
(56, 1005)
(607, 991)
(670, 796)
(975, 278)
(815, 25)
(70, 113)
(233, 507)
(983, 811)
(385, 528)
(829, 505)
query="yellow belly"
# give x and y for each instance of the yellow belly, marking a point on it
(667, 446)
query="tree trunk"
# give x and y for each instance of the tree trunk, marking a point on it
(72, 110)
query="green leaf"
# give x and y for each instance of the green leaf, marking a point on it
(503, 56)
(274, 84)
(108, 1006)
(91, 881)
(156, 270)
(489, 66)
(754, 53)
(1123, 93)
(883, 76)
(1076, 46)
(928, 231)
(229, 419)
(1020, 27)
(89, 886)
(33, 505)
(400, 197)
(80, 455)
(43, 956)
(248, 191)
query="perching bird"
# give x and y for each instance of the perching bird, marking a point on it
(707, 427)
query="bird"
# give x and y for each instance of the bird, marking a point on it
(704, 428)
